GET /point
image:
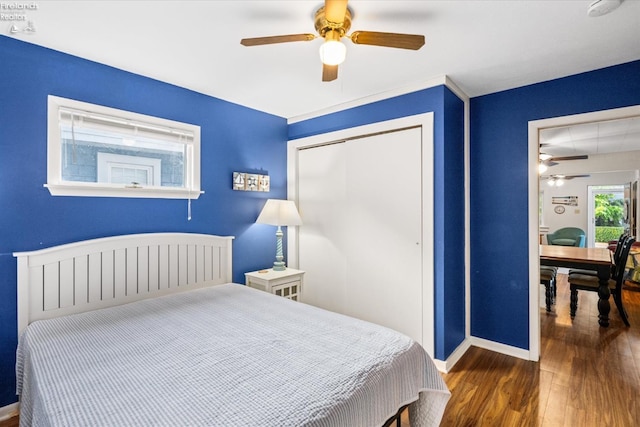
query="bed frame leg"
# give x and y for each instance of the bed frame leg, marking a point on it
(397, 418)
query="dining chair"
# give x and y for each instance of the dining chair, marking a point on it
(585, 282)
(548, 279)
(616, 254)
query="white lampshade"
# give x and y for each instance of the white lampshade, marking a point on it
(279, 212)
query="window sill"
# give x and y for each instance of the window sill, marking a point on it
(88, 190)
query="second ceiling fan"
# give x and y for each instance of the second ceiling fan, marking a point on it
(332, 22)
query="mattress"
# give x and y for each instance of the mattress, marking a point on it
(221, 356)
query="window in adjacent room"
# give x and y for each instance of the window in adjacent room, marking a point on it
(100, 151)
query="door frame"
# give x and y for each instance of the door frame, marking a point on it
(425, 121)
(533, 192)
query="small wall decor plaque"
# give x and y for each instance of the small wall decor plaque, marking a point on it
(250, 182)
(263, 183)
(565, 200)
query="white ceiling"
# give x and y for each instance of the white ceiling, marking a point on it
(483, 46)
(611, 136)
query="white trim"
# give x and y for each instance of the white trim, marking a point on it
(453, 87)
(534, 257)
(534, 243)
(437, 81)
(447, 365)
(467, 204)
(102, 190)
(424, 120)
(500, 348)
(591, 227)
(9, 411)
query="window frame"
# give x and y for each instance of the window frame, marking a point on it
(58, 187)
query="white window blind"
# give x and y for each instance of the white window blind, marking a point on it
(79, 134)
(135, 129)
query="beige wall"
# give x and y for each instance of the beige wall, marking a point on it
(609, 169)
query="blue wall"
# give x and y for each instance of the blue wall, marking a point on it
(234, 138)
(499, 176)
(448, 193)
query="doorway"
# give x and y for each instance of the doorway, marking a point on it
(535, 127)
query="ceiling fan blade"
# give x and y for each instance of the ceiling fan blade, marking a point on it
(257, 41)
(576, 176)
(329, 72)
(557, 159)
(335, 10)
(402, 41)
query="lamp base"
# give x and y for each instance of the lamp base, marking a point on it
(279, 266)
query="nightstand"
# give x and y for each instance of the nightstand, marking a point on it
(286, 283)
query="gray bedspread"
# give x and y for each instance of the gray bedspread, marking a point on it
(222, 356)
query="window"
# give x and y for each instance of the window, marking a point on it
(101, 151)
(128, 170)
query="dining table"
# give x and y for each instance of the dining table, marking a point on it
(595, 259)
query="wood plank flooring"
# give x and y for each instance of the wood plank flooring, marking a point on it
(586, 376)
(11, 422)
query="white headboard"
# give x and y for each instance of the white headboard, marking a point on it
(110, 271)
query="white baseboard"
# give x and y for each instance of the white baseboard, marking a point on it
(501, 348)
(446, 365)
(9, 411)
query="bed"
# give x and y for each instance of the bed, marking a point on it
(149, 329)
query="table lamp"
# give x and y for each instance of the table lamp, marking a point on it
(279, 212)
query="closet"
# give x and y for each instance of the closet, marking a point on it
(364, 244)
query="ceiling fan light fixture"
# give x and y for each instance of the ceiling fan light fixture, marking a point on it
(556, 181)
(602, 7)
(332, 51)
(542, 168)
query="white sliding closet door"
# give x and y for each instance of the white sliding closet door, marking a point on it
(361, 243)
(322, 203)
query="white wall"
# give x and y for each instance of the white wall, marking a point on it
(606, 169)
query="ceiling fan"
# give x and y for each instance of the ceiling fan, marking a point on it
(332, 21)
(549, 160)
(546, 160)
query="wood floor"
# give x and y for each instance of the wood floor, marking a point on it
(12, 422)
(586, 376)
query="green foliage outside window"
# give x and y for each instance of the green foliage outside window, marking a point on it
(609, 214)
(606, 234)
